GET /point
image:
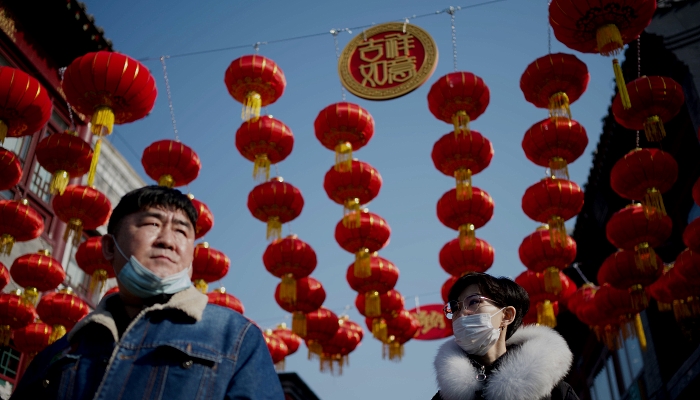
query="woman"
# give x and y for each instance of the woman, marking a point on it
(491, 356)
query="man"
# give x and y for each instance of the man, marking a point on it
(158, 338)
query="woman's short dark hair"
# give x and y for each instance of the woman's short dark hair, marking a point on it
(503, 291)
(151, 196)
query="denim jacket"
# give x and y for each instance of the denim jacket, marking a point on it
(182, 349)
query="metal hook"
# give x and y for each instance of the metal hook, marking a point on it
(256, 46)
(404, 25)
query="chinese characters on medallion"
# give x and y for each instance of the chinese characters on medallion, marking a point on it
(387, 60)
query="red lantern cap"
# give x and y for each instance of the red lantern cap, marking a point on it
(459, 261)
(265, 141)
(10, 169)
(37, 270)
(18, 223)
(171, 163)
(25, 106)
(221, 298)
(555, 75)
(276, 203)
(205, 218)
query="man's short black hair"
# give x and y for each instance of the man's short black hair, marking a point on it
(503, 291)
(151, 196)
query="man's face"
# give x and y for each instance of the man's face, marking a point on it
(162, 240)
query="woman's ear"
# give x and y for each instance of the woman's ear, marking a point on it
(108, 247)
(508, 316)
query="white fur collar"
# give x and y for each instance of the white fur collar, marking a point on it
(529, 371)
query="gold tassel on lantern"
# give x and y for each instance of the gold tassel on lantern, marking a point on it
(557, 231)
(299, 323)
(393, 349)
(167, 181)
(97, 281)
(30, 296)
(261, 168)
(74, 228)
(363, 264)
(653, 204)
(279, 366)
(610, 44)
(274, 228)
(552, 281)
(645, 257)
(559, 106)
(638, 296)
(3, 131)
(93, 163)
(315, 349)
(464, 183)
(611, 337)
(379, 329)
(59, 182)
(6, 242)
(545, 314)
(288, 289)
(654, 129)
(373, 305)
(467, 237)
(558, 168)
(5, 335)
(58, 332)
(352, 217)
(343, 157)
(694, 302)
(460, 120)
(201, 285)
(102, 121)
(663, 307)
(251, 106)
(621, 86)
(639, 331)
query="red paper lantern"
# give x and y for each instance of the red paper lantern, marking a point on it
(205, 218)
(4, 276)
(62, 310)
(684, 295)
(171, 163)
(644, 174)
(221, 298)
(620, 271)
(66, 156)
(255, 82)
(321, 326)
(458, 261)
(391, 303)
(555, 81)
(630, 229)
(656, 99)
(335, 351)
(691, 235)
(580, 297)
(277, 347)
(554, 144)
(604, 27)
(37, 272)
(310, 297)
(264, 141)
(275, 202)
(688, 265)
(291, 339)
(465, 215)
(18, 223)
(538, 255)
(447, 286)
(400, 330)
(696, 192)
(81, 207)
(25, 106)
(371, 235)
(344, 127)
(462, 157)
(358, 185)
(382, 279)
(110, 87)
(534, 284)
(618, 304)
(32, 338)
(553, 201)
(10, 169)
(457, 98)
(90, 259)
(209, 265)
(15, 313)
(289, 259)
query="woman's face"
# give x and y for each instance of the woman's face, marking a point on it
(471, 298)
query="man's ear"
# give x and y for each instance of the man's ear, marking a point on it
(508, 315)
(108, 247)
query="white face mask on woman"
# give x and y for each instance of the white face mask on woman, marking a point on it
(475, 333)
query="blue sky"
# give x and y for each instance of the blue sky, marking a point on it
(495, 41)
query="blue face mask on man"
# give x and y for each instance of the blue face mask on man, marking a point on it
(143, 283)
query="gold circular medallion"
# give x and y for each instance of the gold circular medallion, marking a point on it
(387, 61)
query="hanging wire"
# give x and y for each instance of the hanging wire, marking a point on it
(335, 33)
(170, 99)
(302, 37)
(575, 265)
(639, 70)
(549, 31)
(62, 71)
(452, 11)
